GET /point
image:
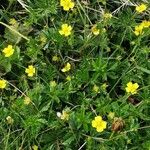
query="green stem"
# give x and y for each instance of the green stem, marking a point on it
(111, 135)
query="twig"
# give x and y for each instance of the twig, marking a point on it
(82, 146)
(12, 29)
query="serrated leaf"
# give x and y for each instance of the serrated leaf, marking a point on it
(45, 108)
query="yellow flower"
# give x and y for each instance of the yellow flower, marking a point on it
(65, 30)
(30, 70)
(8, 51)
(96, 89)
(3, 84)
(111, 115)
(132, 88)
(55, 58)
(43, 39)
(141, 8)
(64, 115)
(10, 120)
(35, 147)
(68, 78)
(107, 15)
(27, 101)
(53, 83)
(94, 30)
(99, 124)
(66, 68)
(67, 4)
(145, 24)
(104, 86)
(138, 30)
(12, 21)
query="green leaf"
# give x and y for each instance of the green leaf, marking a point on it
(143, 69)
(45, 108)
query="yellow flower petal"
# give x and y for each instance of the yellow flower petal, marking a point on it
(27, 101)
(99, 129)
(3, 84)
(129, 84)
(98, 118)
(67, 4)
(135, 85)
(8, 51)
(94, 123)
(132, 88)
(64, 115)
(103, 124)
(35, 147)
(30, 70)
(141, 8)
(94, 30)
(99, 124)
(53, 83)
(72, 5)
(66, 68)
(65, 30)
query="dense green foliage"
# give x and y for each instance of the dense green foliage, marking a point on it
(101, 67)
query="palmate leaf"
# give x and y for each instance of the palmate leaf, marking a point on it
(34, 123)
(5, 65)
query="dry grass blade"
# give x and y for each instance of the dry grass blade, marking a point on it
(25, 6)
(124, 3)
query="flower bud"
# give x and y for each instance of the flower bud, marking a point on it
(117, 124)
(10, 120)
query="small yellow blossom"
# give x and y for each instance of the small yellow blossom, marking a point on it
(30, 70)
(104, 86)
(67, 4)
(27, 101)
(53, 83)
(65, 30)
(96, 89)
(3, 84)
(64, 115)
(95, 30)
(141, 8)
(43, 39)
(66, 68)
(107, 15)
(68, 78)
(145, 24)
(99, 124)
(12, 21)
(8, 51)
(10, 120)
(132, 88)
(141, 26)
(55, 58)
(35, 147)
(138, 30)
(111, 115)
